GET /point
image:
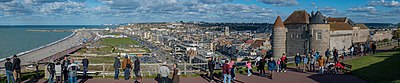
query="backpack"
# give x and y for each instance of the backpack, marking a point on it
(128, 65)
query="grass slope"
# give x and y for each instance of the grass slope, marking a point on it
(383, 67)
(118, 41)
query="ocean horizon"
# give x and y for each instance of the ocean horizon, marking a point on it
(15, 39)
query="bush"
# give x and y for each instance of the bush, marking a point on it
(386, 40)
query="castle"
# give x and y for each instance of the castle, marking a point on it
(301, 32)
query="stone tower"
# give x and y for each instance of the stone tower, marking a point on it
(278, 38)
(319, 30)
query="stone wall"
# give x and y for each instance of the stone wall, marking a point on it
(340, 39)
(320, 45)
(360, 35)
(296, 39)
(279, 41)
(380, 35)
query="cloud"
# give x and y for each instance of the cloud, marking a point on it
(13, 8)
(280, 2)
(5, 1)
(384, 3)
(214, 1)
(362, 9)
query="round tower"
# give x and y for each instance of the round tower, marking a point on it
(320, 33)
(278, 38)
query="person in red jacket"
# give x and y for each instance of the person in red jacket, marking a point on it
(226, 71)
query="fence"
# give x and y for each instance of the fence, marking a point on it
(382, 44)
(105, 70)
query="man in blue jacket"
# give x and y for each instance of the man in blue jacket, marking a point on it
(297, 60)
(271, 66)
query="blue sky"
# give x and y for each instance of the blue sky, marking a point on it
(72, 12)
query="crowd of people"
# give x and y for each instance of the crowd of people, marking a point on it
(66, 70)
(330, 62)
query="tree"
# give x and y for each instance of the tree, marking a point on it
(396, 33)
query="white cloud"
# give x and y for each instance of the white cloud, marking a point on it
(362, 9)
(280, 2)
(384, 3)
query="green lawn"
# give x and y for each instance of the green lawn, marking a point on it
(383, 67)
(118, 41)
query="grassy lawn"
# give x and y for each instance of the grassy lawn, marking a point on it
(118, 41)
(383, 67)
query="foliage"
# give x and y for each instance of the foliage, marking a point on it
(396, 33)
(386, 40)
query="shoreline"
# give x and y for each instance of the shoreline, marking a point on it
(41, 47)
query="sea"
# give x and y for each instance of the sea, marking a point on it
(15, 39)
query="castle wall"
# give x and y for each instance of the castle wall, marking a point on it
(360, 35)
(320, 39)
(340, 39)
(296, 39)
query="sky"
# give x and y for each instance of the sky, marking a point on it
(94, 12)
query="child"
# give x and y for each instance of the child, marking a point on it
(305, 62)
(278, 62)
(248, 64)
(321, 65)
(283, 62)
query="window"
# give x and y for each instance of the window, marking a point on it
(291, 35)
(319, 35)
(298, 35)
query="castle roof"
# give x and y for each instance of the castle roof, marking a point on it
(318, 18)
(336, 19)
(298, 17)
(362, 26)
(278, 22)
(340, 26)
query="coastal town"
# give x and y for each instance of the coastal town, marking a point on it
(305, 45)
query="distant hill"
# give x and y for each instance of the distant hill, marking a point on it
(380, 25)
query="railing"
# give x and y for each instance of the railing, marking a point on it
(393, 42)
(105, 70)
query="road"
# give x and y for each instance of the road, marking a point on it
(160, 53)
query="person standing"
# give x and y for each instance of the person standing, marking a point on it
(58, 70)
(335, 54)
(51, 70)
(65, 71)
(117, 65)
(312, 62)
(136, 69)
(351, 50)
(271, 67)
(297, 60)
(85, 63)
(344, 53)
(305, 62)
(321, 65)
(9, 70)
(248, 65)
(327, 54)
(226, 72)
(17, 68)
(211, 65)
(175, 75)
(73, 69)
(262, 66)
(231, 66)
(373, 48)
(283, 62)
(127, 66)
(164, 72)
